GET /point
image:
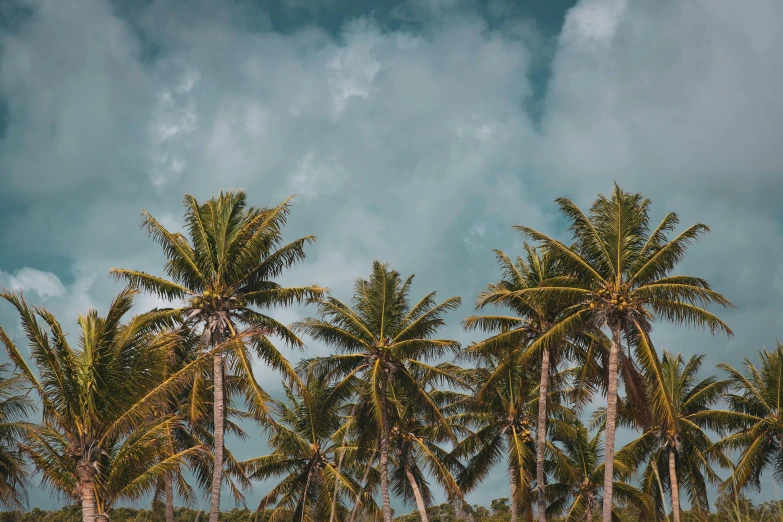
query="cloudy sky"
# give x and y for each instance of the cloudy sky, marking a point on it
(415, 131)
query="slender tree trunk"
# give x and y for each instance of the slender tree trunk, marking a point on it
(417, 495)
(589, 513)
(512, 481)
(541, 435)
(674, 486)
(86, 475)
(169, 491)
(383, 462)
(611, 426)
(217, 473)
(365, 479)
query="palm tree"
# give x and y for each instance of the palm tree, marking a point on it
(304, 438)
(227, 265)
(681, 407)
(386, 342)
(416, 447)
(502, 417)
(193, 405)
(754, 420)
(579, 471)
(532, 318)
(97, 443)
(15, 407)
(620, 274)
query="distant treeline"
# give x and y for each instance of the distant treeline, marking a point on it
(726, 510)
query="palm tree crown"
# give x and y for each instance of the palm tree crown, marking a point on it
(678, 451)
(386, 342)
(755, 415)
(304, 438)
(619, 273)
(224, 268)
(579, 472)
(97, 444)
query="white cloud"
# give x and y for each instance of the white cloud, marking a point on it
(26, 279)
(399, 141)
(593, 22)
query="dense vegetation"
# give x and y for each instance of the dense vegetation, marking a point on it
(138, 407)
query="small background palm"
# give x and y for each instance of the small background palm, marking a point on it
(386, 342)
(754, 420)
(305, 436)
(502, 418)
(417, 451)
(678, 453)
(579, 475)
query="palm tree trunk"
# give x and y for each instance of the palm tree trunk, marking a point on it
(169, 491)
(383, 462)
(611, 425)
(217, 473)
(674, 486)
(589, 513)
(541, 435)
(87, 491)
(365, 478)
(417, 495)
(512, 480)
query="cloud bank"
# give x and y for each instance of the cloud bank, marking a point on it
(417, 133)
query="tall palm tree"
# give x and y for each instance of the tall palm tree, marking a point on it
(579, 472)
(304, 438)
(532, 318)
(620, 273)
(753, 421)
(386, 342)
(96, 443)
(674, 445)
(226, 266)
(416, 447)
(501, 418)
(15, 407)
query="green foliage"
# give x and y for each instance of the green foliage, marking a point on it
(135, 401)
(99, 401)
(15, 408)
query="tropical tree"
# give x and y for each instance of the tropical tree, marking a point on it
(620, 274)
(502, 417)
(579, 472)
(677, 450)
(97, 444)
(753, 422)
(386, 342)
(305, 436)
(15, 408)
(531, 319)
(225, 267)
(193, 404)
(416, 442)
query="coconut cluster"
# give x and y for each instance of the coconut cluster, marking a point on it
(215, 300)
(610, 300)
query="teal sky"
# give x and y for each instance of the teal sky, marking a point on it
(415, 131)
